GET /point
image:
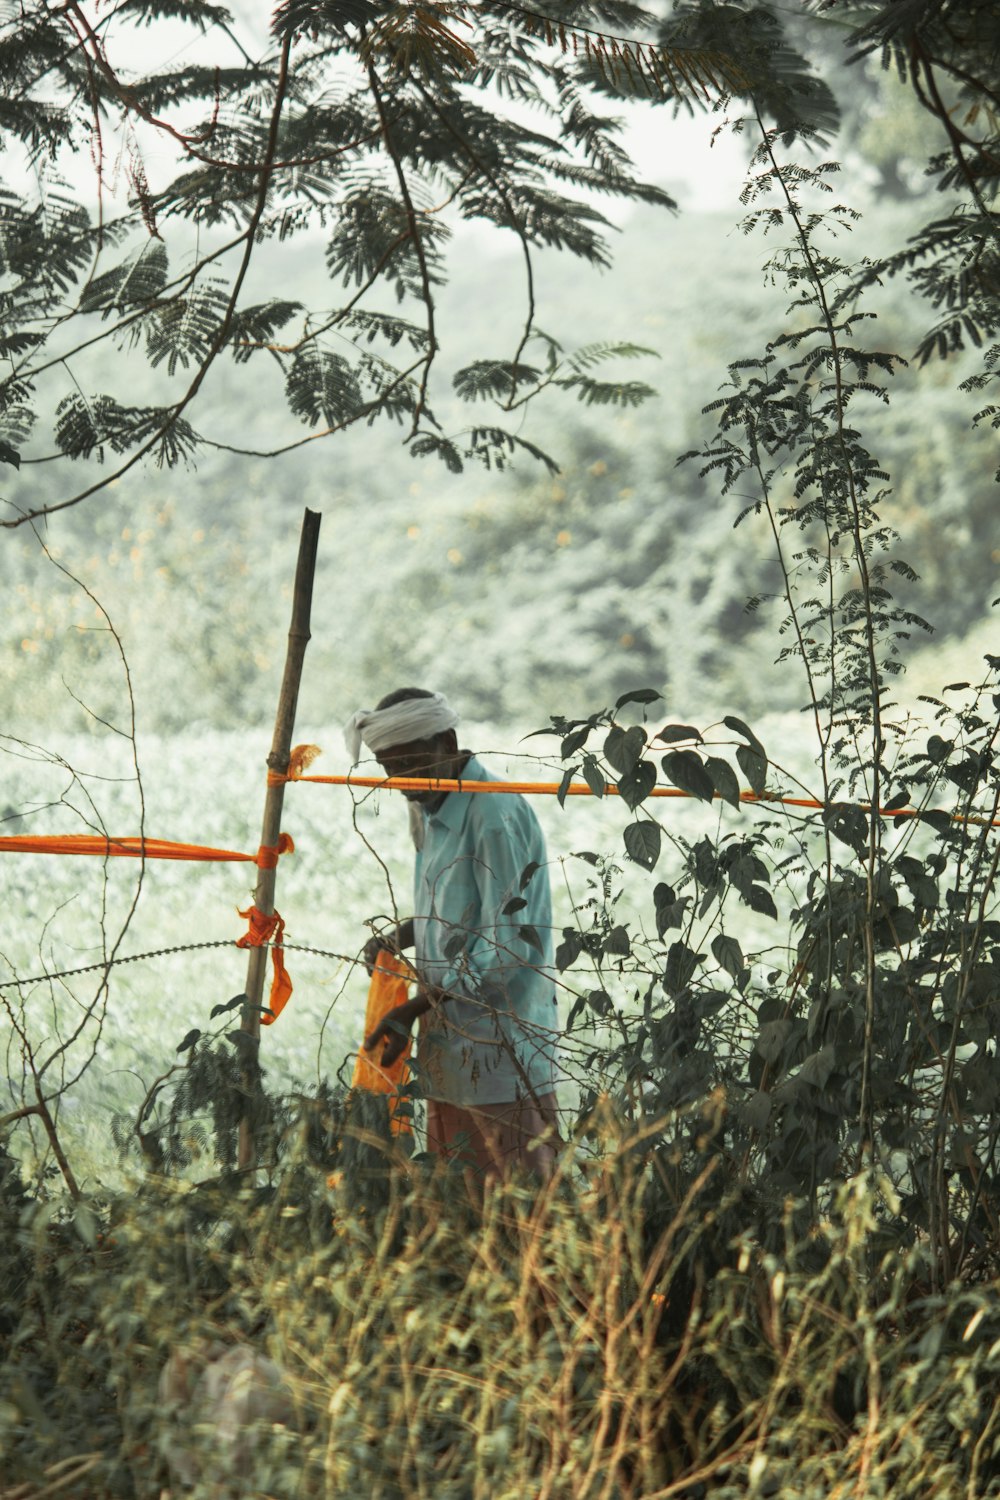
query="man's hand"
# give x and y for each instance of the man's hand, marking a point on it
(394, 940)
(394, 1027)
(374, 946)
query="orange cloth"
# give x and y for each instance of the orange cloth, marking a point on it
(262, 927)
(267, 854)
(298, 761)
(389, 987)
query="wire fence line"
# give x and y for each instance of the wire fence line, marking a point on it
(133, 958)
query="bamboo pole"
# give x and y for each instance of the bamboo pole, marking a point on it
(281, 746)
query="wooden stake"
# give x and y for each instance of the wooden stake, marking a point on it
(281, 746)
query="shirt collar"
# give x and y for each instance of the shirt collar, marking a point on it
(454, 808)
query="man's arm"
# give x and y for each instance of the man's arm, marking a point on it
(396, 1025)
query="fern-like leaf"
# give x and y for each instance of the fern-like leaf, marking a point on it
(493, 380)
(86, 427)
(196, 12)
(182, 330)
(322, 385)
(375, 237)
(495, 447)
(253, 328)
(419, 39)
(426, 443)
(139, 280)
(607, 392)
(373, 325)
(589, 355)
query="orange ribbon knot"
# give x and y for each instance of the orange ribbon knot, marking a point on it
(262, 928)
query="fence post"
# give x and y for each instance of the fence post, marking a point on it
(281, 745)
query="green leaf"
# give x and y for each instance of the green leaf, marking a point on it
(818, 1066)
(530, 936)
(617, 942)
(9, 455)
(527, 873)
(227, 1005)
(455, 944)
(623, 747)
(376, 236)
(850, 826)
(728, 954)
(756, 1111)
(669, 911)
(516, 903)
(638, 695)
(901, 799)
(253, 328)
(938, 749)
(773, 1036)
(576, 1011)
(593, 777)
(574, 742)
(761, 901)
(738, 727)
(934, 817)
(181, 331)
(684, 768)
(642, 842)
(682, 961)
(85, 1223)
(635, 786)
(200, 12)
(754, 767)
(189, 1040)
(565, 784)
(723, 779)
(671, 734)
(569, 950)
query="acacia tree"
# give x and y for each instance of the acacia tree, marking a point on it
(366, 127)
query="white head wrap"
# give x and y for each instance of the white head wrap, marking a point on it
(411, 719)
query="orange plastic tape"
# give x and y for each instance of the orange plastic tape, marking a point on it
(581, 789)
(128, 848)
(142, 848)
(262, 928)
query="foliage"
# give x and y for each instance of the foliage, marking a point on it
(951, 260)
(602, 1335)
(378, 126)
(870, 1037)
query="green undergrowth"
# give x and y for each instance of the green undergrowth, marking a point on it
(638, 1326)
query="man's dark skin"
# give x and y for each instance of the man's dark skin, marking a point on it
(437, 756)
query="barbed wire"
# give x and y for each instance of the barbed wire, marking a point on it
(133, 958)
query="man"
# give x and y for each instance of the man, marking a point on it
(482, 938)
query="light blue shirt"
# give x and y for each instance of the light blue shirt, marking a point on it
(496, 1041)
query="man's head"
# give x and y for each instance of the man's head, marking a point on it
(428, 755)
(411, 732)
